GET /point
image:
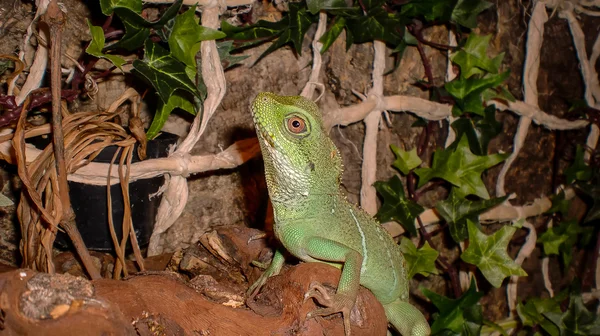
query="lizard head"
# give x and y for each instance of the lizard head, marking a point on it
(299, 156)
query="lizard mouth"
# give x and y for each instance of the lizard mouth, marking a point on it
(267, 138)
(264, 135)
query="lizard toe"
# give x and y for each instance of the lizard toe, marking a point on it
(333, 303)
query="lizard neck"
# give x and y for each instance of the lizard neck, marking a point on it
(306, 206)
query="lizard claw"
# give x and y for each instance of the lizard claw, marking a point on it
(334, 303)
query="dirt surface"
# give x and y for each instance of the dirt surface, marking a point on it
(185, 303)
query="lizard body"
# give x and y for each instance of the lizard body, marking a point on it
(315, 222)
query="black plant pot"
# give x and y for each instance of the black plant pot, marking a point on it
(90, 206)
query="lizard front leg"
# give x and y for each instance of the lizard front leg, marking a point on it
(273, 269)
(345, 297)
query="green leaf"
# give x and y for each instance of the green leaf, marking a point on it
(466, 11)
(460, 167)
(562, 238)
(461, 88)
(96, 45)
(372, 4)
(461, 315)
(592, 191)
(472, 58)
(177, 100)
(462, 12)
(165, 31)
(260, 30)
(479, 80)
(396, 206)
(405, 161)
(577, 320)
(431, 10)
(184, 41)
(421, 261)
(378, 24)
(552, 240)
(332, 34)
(165, 72)
(489, 254)
(134, 37)
(315, 6)
(479, 131)
(137, 29)
(559, 204)
(107, 6)
(227, 59)
(531, 313)
(456, 210)
(298, 22)
(128, 15)
(579, 170)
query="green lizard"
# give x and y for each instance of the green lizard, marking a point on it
(315, 222)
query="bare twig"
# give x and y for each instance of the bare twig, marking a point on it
(55, 19)
(176, 194)
(313, 79)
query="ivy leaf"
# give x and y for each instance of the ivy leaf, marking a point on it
(479, 131)
(466, 11)
(184, 41)
(531, 313)
(462, 12)
(315, 6)
(332, 34)
(431, 10)
(592, 191)
(459, 166)
(559, 204)
(129, 15)
(107, 6)
(456, 210)
(165, 72)
(396, 206)
(298, 22)
(405, 161)
(259, 31)
(134, 37)
(372, 4)
(577, 320)
(460, 315)
(468, 91)
(96, 45)
(552, 241)
(579, 170)
(137, 29)
(489, 254)
(378, 24)
(564, 237)
(421, 261)
(472, 58)
(165, 31)
(227, 59)
(177, 100)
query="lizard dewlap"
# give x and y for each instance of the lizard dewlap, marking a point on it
(315, 222)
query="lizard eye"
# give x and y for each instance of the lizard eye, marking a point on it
(296, 125)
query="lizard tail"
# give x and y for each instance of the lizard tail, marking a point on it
(407, 319)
